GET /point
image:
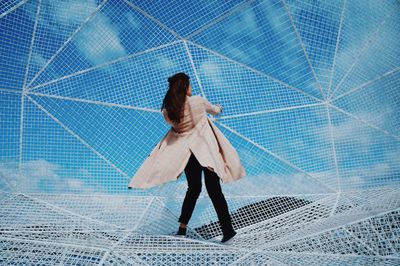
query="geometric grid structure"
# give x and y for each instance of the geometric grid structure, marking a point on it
(310, 91)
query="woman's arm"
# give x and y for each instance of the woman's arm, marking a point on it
(211, 108)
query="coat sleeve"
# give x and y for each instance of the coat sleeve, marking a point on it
(164, 112)
(211, 108)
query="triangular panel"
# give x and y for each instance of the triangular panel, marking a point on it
(379, 57)
(9, 130)
(105, 37)
(234, 86)
(16, 33)
(377, 103)
(127, 82)
(263, 37)
(54, 159)
(362, 22)
(318, 24)
(300, 137)
(367, 157)
(184, 25)
(130, 144)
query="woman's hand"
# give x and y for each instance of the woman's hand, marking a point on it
(219, 106)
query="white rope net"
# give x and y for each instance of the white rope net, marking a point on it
(310, 92)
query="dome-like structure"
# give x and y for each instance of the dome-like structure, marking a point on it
(310, 92)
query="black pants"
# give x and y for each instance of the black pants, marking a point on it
(193, 171)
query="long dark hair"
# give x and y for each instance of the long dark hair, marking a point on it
(174, 99)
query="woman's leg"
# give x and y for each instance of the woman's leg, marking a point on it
(213, 186)
(193, 175)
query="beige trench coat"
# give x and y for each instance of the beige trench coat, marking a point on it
(197, 134)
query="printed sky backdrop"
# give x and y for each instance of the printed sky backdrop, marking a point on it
(309, 89)
(310, 96)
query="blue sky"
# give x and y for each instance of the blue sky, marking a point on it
(91, 114)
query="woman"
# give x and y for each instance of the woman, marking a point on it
(194, 144)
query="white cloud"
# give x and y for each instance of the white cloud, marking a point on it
(212, 72)
(277, 178)
(248, 18)
(134, 23)
(39, 175)
(210, 68)
(72, 11)
(75, 183)
(38, 59)
(355, 143)
(98, 41)
(275, 16)
(349, 132)
(165, 63)
(375, 175)
(276, 184)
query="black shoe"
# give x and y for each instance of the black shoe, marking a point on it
(181, 231)
(228, 236)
